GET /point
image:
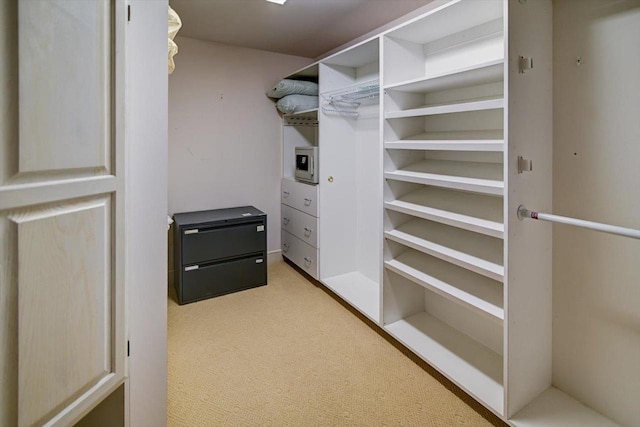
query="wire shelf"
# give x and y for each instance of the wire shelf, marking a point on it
(345, 101)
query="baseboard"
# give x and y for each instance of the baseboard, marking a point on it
(274, 257)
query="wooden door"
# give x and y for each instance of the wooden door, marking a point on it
(61, 208)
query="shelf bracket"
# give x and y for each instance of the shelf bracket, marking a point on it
(524, 165)
(524, 63)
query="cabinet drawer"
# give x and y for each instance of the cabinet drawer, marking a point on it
(301, 196)
(200, 282)
(302, 254)
(227, 241)
(300, 224)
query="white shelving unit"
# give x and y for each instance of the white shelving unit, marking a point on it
(350, 168)
(419, 188)
(444, 186)
(299, 209)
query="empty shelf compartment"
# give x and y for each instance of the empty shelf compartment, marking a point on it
(469, 211)
(449, 108)
(477, 177)
(480, 294)
(479, 140)
(472, 251)
(475, 74)
(474, 367)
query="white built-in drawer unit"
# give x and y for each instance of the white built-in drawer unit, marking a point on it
(301, 196)
(302, 254)
(300, 224)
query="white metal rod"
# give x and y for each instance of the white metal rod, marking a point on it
(523, 212)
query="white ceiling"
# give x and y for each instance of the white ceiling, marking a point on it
(306, 28)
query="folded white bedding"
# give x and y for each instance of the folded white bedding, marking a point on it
(290, 87)
(295, 103)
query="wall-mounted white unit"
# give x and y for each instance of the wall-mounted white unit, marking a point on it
(350, 166)
(420, 186)
(300, 200)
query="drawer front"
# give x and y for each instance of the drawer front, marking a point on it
(303, 255)
(300, 224)
(298, 195)
(222, 278)
(209, 244)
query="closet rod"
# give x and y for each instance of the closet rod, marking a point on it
(523, 213)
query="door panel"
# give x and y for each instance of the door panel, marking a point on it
(61, 208)
(64, 300)
(65, 76)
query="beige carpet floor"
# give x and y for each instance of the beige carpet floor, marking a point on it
(289, 354)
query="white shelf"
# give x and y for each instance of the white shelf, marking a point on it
(449, 20)
(464, 361)
(310, 114)
(447, 145)
(458, 107)
(478, 294)
(488, 72)
(359, 291)
(480, 254)
(475, 140)
(473, 212)
(477, 177)
(553, 408)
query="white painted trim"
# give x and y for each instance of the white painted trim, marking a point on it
(274, 257)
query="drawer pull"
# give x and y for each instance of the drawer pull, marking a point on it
(285, 247)
(259, 261)
(259, 228)
(307, 231)
(307, 201)
(307, 261)
(285, 194)
(192, 267)
(193, 231)
(285, 220)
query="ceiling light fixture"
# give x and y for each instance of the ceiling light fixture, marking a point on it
(280, 2)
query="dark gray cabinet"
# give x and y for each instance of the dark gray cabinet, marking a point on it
(219, 251)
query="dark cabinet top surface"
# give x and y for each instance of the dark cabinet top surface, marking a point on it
(216, 215)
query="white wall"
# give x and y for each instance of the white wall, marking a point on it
(596, 295)
(224, 133)
(146, 220)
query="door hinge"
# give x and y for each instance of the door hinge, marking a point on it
(128, 13)
(128, 348)
(524, 63)
(524, 165)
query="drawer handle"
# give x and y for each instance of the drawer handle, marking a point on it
(285, 194)
(285, 247)
(307, 231)
(307, 261)
(307, 201)
(285, 220)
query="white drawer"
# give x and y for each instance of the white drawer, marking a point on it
(301, 196)
(302, 254)
(300, 224)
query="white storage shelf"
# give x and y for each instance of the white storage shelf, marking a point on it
(448, 108)
(460, 36)
(477, 74)
(359, 291)
(471, 140)
(474, 212)
(476, 252)
(477, 177)
(484, 296)
(305, 114)
(463, 360)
